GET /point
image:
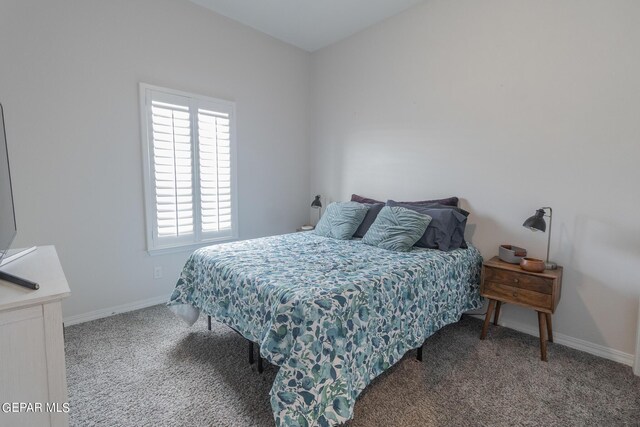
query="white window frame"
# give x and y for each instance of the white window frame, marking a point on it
(156, 245)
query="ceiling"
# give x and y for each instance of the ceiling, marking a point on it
(308, 24)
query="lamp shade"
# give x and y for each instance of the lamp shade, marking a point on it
(536, 222)
(316, 202)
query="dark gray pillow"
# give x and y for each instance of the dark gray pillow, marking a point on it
(457, 239)
(369, 219)
(361, 199)
(449, 201)
(446, 229)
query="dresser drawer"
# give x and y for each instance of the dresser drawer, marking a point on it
(529, 282)
(515, 295)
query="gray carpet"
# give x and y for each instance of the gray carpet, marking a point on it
(146, 368)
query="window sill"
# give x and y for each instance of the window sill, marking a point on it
(190, 247)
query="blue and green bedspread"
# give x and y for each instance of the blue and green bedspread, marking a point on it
(333, 314)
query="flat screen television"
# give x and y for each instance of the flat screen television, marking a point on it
(8, 227)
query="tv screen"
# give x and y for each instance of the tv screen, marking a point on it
(7, 214)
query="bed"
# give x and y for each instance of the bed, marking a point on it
(332, 314)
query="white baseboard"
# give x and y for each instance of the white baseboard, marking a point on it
(636, 365)
(576, 343)
(106, 312)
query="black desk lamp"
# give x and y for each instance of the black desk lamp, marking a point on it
(317, 204)
(537, 223)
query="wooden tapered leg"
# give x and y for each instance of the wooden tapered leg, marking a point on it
(542, 325)
(485, 327)
(251, 360)
(209, 322)
(260, 367)
(496, 316)
(419, 355)
(549, 328)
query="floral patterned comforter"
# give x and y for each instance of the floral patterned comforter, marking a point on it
(333, 314)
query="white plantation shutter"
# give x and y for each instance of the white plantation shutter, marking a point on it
(189, 176)
(172, 163)
(215, 170)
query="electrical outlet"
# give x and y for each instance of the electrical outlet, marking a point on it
(157, 272)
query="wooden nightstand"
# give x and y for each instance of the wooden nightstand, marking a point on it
(508, 283)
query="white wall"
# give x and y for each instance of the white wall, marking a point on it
(69, 74)
(510, 105)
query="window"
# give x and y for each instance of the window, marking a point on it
(189, 168)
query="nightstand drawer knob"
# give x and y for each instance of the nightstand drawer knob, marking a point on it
(516, 281)
(515, 293)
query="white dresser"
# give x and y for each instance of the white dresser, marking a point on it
(32, 368)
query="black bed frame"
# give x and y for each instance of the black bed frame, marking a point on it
(260, 360)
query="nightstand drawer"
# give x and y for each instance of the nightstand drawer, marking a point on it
(516, 295)
(539, 284)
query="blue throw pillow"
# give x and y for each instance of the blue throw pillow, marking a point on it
(341, 220)
(396, 229)
(446, 229)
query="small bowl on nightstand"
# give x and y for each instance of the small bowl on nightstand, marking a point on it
(511, 254)
(533, 265)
